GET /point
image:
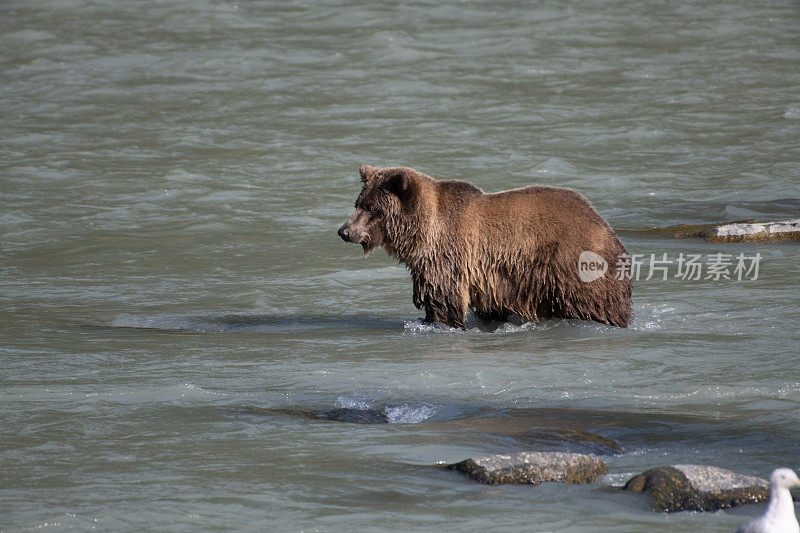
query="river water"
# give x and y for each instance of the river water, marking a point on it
(179, 320)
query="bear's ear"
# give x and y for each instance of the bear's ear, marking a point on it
(398, 182)
(367, 172)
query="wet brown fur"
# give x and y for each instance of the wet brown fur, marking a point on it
(510, 252)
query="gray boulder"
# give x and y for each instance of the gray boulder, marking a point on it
(532, 468)
(697, 488)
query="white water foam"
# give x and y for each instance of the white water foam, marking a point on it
(792, 112)
(653, 318)
(616, 479)
(405, 413)
(356, 401)
(420, 326)
(408, 413)
(512, 327)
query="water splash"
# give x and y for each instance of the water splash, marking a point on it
(654, 318)
(355, 401)
(409, 413)
(514, 325)
(404, 413)
(420, 326)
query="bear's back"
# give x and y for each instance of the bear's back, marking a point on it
(551, 213)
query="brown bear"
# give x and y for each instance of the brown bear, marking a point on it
(519, 251)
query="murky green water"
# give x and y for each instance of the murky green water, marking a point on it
(176, 304)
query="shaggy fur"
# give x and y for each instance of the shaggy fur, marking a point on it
(510, 252)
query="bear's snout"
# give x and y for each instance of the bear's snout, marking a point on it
(344, 233)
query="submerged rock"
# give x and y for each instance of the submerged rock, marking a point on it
(579, 440)
(344, 414)
(697, 488)
(532, 468)
(354, 416)
(748, 231)
(555, 430)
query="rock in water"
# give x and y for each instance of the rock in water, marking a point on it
(779, 517)
(697, 488)
(532, 468)
(575, 440)
(749, 231)
(788, 230)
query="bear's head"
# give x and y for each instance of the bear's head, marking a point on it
(387, 197)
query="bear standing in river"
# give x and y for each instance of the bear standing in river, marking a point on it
(511, 252)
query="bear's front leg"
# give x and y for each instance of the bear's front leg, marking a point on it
(449, 309)
(444, 313)
(442, 304)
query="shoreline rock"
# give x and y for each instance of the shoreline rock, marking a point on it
(697, 488)
(532, 468)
